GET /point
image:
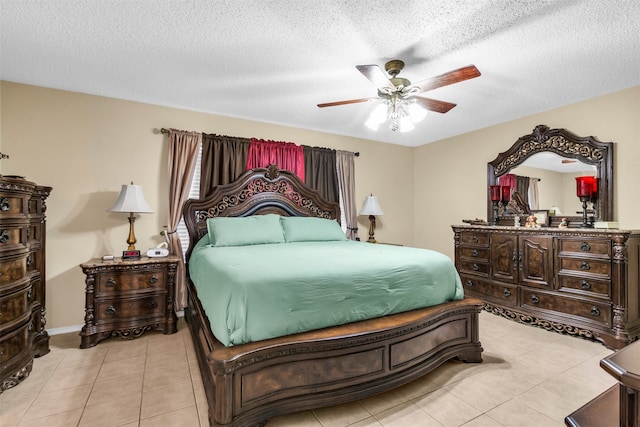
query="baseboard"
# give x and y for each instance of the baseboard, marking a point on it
(78, 328)
(65, 330)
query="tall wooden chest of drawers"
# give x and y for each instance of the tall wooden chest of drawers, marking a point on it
(128, 297)
(22, 278)
(583, 282)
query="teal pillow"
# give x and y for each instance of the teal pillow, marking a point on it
(244, 231)
(310, 229)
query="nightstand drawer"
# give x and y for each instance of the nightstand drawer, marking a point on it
(129, 281)
(130, 309)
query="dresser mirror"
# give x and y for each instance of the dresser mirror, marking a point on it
(551, 159)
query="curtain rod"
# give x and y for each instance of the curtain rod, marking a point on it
(166, 132)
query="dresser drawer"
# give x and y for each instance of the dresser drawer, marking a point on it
(586, 266)
(15, 344)
(474, 238)
(14, 306)
(592, 247)
(12, 206)
(590, 311)
(479, 254)
(13, 268)
(130, 309)
(12, 237)
(116, 282)
(504, 294)
(478, 268)
(585, 285)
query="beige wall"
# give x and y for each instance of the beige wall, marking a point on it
(86, 147)
(451, 175)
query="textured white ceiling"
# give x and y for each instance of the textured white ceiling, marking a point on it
(274, 60)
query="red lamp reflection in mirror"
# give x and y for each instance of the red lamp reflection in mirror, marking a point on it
(587, 191)
(494, 193)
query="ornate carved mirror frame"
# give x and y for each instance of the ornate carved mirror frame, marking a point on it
(564, 143)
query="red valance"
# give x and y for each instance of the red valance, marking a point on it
(286, 155)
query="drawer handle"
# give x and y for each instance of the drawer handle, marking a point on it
(4, 236)
(507, 293)
(110, 310)
(535, 299)
(153, 279)
(585, 246)
(1, 351)
(29, 261)
(474, 253)
(30, 327)
(469, 283)
(585, 285)
(153, 304)
(4, 204)
(111, 283)
(29, 293)
(594, 311)
(475, 267)
(584, 265)
(474, 239)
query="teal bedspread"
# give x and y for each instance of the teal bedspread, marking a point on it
(255, 292)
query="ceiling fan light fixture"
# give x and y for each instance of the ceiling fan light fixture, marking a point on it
(377, 117)
(416, 112)
(406, 125)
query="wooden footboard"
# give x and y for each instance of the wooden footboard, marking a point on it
(250, 383)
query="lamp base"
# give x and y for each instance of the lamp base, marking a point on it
(372, 227)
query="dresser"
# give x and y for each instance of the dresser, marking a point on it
(583, 282)
(22, 278)
(128, 297)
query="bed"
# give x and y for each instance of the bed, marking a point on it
(260, 374)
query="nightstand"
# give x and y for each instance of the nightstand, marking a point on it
(128, 297)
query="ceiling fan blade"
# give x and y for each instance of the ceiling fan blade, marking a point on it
(455, 76)
(434, 104)
(376, 76)
(349, 101)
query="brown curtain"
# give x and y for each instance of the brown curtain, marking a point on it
(183, 151)
(321, 173)
(223, 160)
(522, 187)
(346, 173)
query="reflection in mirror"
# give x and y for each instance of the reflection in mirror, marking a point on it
(540, 169)
(552, 182)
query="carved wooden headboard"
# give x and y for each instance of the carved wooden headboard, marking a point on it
(256, 192)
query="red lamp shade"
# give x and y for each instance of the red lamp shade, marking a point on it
(506, 193)
(495, 193)
(586, 186)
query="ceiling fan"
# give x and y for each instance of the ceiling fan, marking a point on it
(398, 93)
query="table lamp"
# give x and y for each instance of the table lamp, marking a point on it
(131, 200)
(372, 208)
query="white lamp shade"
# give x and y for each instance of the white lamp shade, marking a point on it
(371, 206)
(131, 199)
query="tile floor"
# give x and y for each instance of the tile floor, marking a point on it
(529, 377)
